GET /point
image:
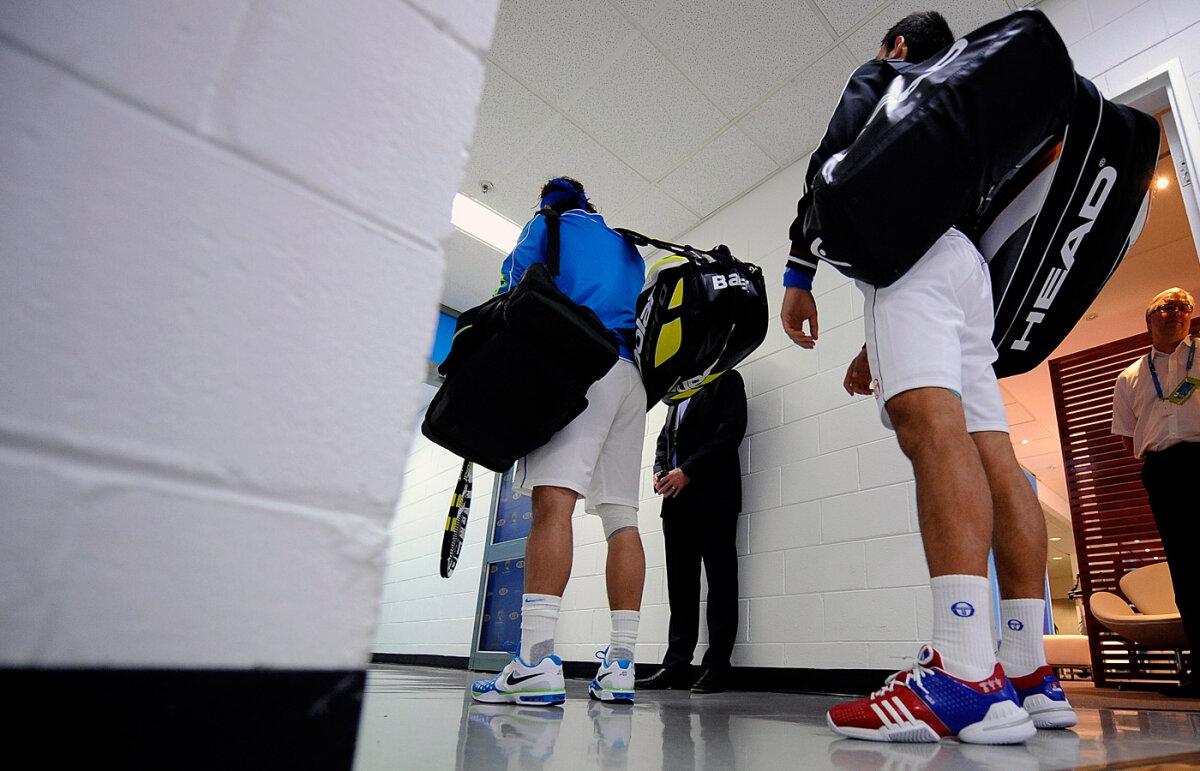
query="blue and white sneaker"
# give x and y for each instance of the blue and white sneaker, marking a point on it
(926, 703)
(1042, 696)
(520, 683)
(613, 682)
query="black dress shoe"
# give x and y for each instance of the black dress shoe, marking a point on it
(712, 681)
(665, 677)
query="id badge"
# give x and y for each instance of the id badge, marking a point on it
(1184, 390)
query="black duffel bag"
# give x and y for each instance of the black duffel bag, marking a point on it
(944, 133)
(519, 368)
(699, 314)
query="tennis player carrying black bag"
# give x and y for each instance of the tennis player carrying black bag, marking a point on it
(998, 117)
(519, 368)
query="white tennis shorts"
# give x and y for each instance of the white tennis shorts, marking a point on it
(599, 454)
(933, 328)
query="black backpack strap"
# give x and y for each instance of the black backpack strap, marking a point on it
(552, 247)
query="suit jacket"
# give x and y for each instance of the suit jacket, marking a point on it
(706, 444)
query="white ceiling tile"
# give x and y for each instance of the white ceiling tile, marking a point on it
(565, 151)
(791, 122)
(736, 55)
(845, 14)
(556, 48)
(647, 113)
(863, 43)
(641, 11)
(720, 172)
(655, 214)
(510, 121)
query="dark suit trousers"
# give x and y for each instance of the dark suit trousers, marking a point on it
(688, 540)
(1169, 478)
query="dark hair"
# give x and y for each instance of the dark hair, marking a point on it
(563, 194)
(925, 32)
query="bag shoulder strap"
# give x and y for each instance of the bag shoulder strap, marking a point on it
(637, 239)
(552, 243)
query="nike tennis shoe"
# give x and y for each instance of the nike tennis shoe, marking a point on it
(613, 681)
(1042, 696)
(521, 683)
(926, 703)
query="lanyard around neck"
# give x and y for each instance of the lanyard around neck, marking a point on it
(1187, 370)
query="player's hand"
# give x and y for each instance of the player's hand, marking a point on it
(668, 485)
(858, 375)
(799, 307)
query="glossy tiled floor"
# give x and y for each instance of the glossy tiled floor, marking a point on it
(423, 718)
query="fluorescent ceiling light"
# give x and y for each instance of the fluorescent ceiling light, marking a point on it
(490, 227)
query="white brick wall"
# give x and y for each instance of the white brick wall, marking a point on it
(832, 572)
(221, 228)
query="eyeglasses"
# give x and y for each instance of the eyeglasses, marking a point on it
(1172, 307)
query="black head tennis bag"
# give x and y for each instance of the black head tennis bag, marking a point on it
(1056, 230)
(943, 134)
(699, 314)
(518, 369)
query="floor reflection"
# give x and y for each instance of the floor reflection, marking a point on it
(421, 718)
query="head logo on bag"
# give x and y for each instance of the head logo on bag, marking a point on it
(1056, 230)
(699, 314)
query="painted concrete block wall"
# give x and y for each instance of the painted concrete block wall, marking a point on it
(832, 571)
(221, 228)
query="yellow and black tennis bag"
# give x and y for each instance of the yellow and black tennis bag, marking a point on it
(699, 314)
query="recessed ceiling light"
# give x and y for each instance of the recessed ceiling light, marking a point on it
(1162, 183)
(1055, 538)
(484, 224)
(1057, 558)
(1024, 441)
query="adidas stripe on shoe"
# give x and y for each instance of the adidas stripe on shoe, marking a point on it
(926, 703)
(1042, 696)
(521, 683)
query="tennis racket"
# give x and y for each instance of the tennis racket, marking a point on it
(456, 520)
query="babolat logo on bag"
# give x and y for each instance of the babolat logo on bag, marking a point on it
(733, 279)
(699, 314)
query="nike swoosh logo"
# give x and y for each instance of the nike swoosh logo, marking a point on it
(601, 677)
(514, 680)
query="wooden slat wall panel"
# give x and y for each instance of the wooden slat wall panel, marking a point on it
(1110, 514)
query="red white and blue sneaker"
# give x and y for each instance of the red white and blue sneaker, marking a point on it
(1042, 696)
(613, 682)
(520, 683)
(926, 703)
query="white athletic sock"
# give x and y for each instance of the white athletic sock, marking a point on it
(962, 626)
(1022, 648)
(539, 616)
(624, 635)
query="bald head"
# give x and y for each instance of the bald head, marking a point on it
(1168, 317)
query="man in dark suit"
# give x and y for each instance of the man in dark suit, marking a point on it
(698, 472)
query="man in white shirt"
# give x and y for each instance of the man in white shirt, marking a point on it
(1157, 414)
